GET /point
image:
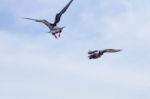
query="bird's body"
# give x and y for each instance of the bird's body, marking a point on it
(54, 29)
(97, 54)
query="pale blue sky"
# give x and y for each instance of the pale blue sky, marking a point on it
(34, 65)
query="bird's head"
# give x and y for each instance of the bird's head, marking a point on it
(63, 28)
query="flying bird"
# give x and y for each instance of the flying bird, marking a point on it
(54, 29)
(98, 53)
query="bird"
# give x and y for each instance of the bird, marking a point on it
(98, 53)
(54, 29)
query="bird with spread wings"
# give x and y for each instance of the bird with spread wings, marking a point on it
(54, 29)
(98, 53)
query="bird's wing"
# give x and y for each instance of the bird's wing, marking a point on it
(31, 19)
(58, 15)
(111, 50)
(91, 52)
(48, 24)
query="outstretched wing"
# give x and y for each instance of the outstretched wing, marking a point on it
(42, 21)
(111, 50)
(91, 52)
(58, 15)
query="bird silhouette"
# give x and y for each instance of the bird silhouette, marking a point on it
(98, 53)
(54, 29)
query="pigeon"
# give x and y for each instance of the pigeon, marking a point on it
(54, 29)
(98, 53)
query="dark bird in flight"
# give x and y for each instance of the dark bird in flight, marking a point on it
(97, 54)
(54, 29)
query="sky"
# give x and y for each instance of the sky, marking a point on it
(34, 65)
